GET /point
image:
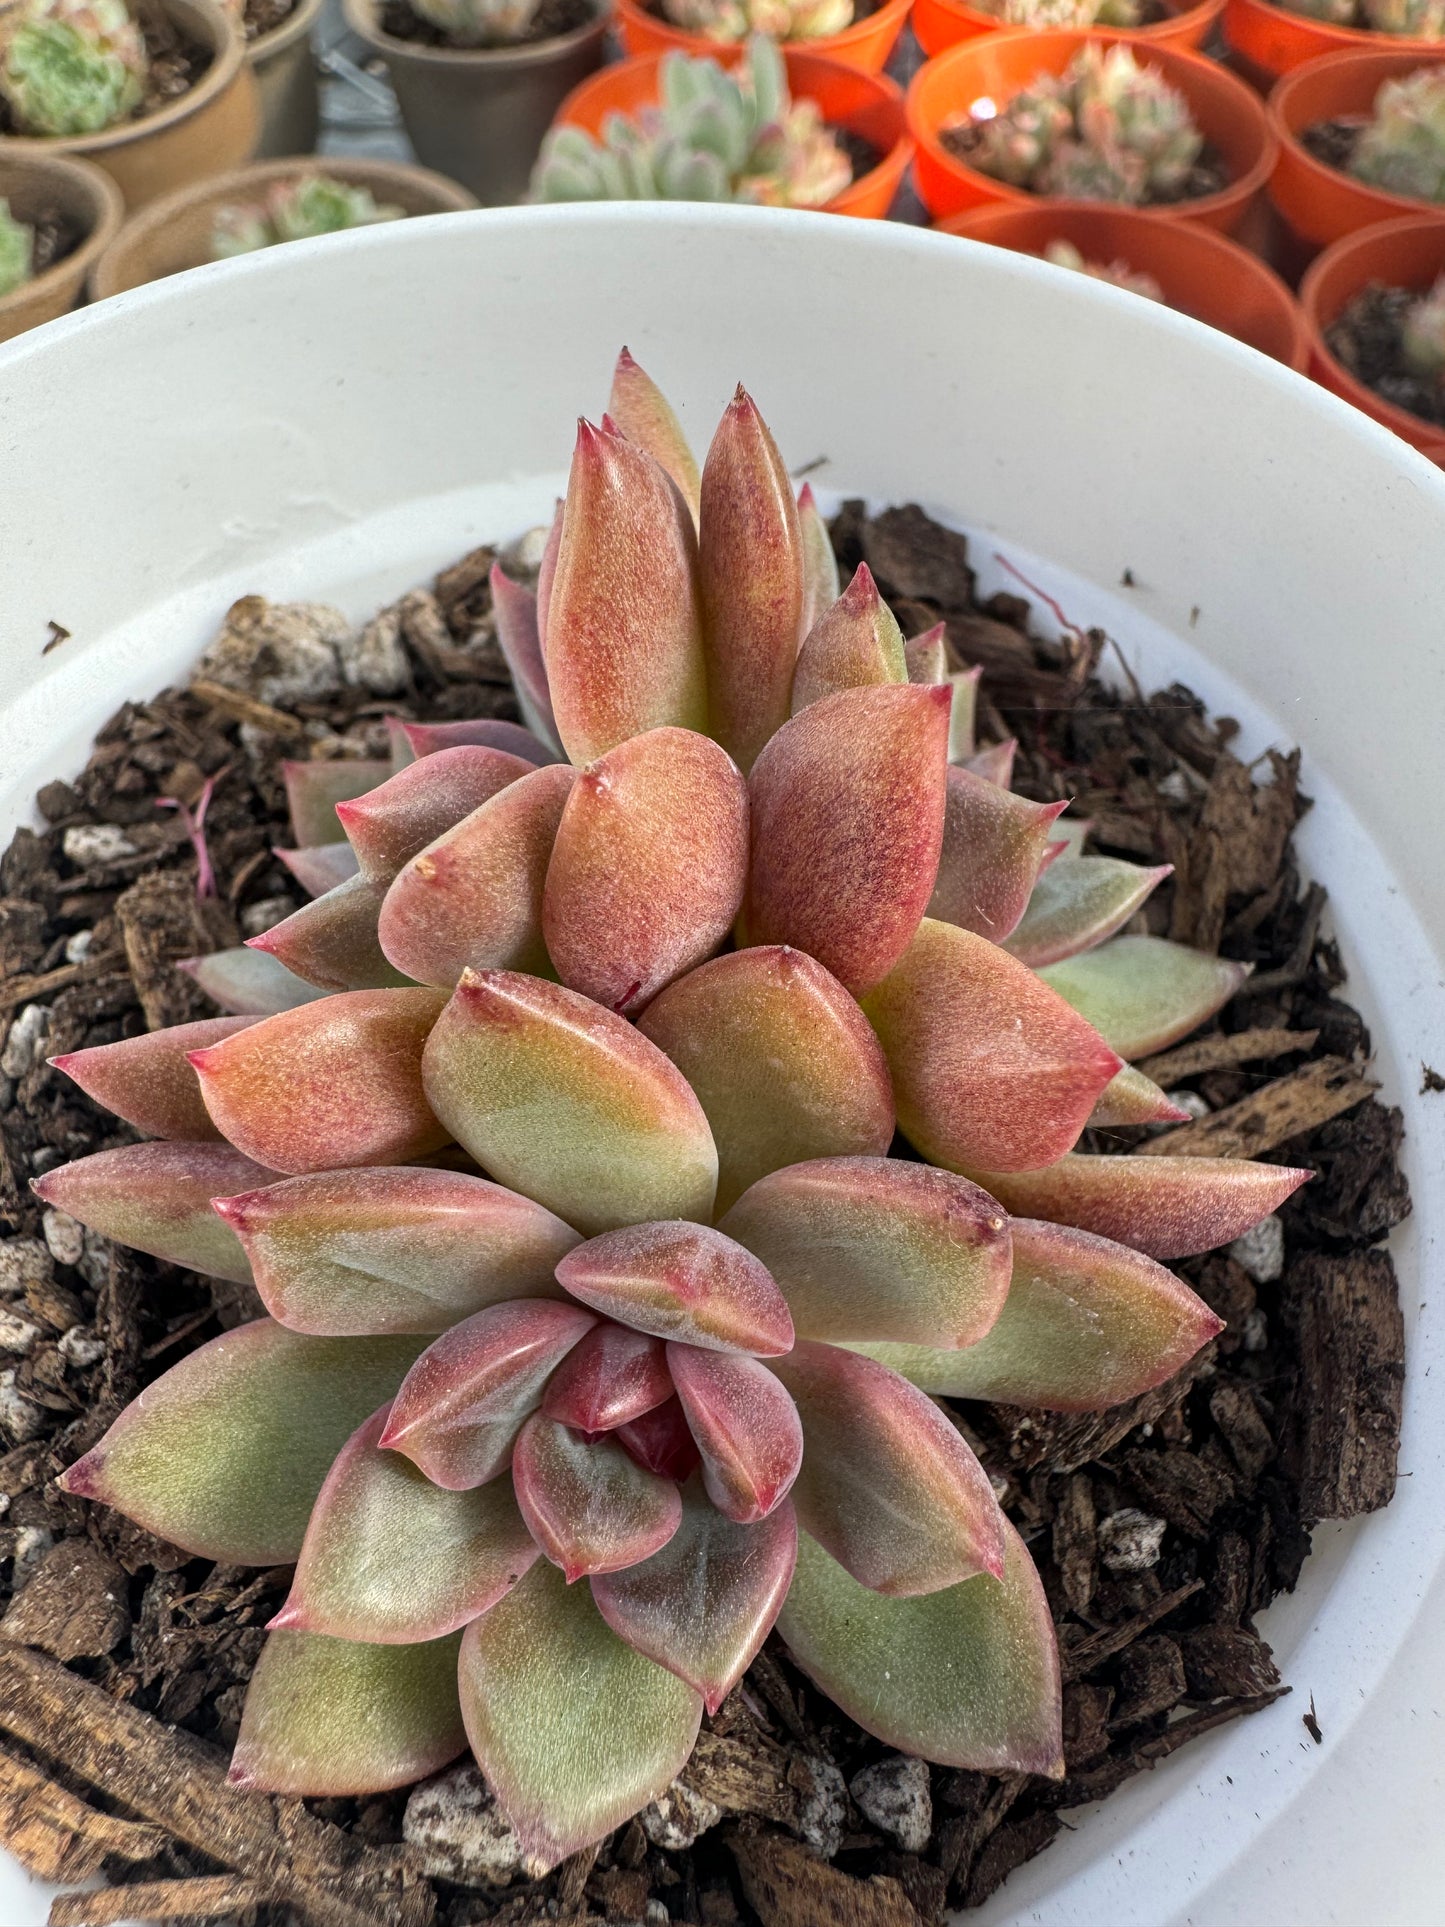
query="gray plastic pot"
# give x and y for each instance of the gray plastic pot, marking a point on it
(285, 71)
(479, 114)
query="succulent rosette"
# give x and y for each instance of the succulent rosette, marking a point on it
(604, 1317)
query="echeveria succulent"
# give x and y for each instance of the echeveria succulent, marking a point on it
(17, 250)
(1118, 274)
(1422, 334)
(603, 1318)
(715, 136)
(480, 23)
(71, 66)
(296, 210)
(729, 20)
(1065, 13)
(1107, 129)
(1401, 148)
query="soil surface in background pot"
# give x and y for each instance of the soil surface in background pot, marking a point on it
(1333, 142)
(265, 16)
(552, 19)
(1207, 176)
(1367, 338)
(1161, 1529)
(176, 64)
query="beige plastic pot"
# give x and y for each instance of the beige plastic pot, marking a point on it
(37, 184)
(174, 233)
(285, 71)
(211, 127)
(479, 114)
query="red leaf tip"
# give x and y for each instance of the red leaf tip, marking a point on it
(807, 500)
(238, 1776)
(290, 1616)
(82, 1480)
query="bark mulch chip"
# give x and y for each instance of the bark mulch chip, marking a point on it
(1160, 1530)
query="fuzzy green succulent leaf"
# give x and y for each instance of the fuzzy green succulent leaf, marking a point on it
(224, 1455)
(1132, 1098)
(17, 250)
(965, 1677)
(331, 942)
(574, 1730)
(148, 1080)
(314, 789)
(72, 67)
(645, 416)
(821, 586)
(249, 983)
(854, 644)
(1079, 903)
(321, 868)
(1144, 993)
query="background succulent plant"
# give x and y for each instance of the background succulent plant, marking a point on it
(1106, 129)
(1422, 334)
(1066, 13)
(1402, 146)
(728, 20)
(1118, 274)
(294, 211)
(602, 1319)
(480, 23)
(17, 250)
(715, 136)
(1419, 19)
(72, 66)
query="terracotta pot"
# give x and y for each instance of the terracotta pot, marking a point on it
(207, 130)
(1408, 253)
(862, 103)
(998, 65)
(174, 234)
(941, 24)
(1320, 202)
(285, 71)
(34, 184)
(479, 114)
(1200, 272)
(865, 45)
(1269, 40)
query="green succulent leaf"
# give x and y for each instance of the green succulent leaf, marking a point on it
(1144, 993)
(1078, 902)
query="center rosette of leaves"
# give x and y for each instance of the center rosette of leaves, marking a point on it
(557, 1136)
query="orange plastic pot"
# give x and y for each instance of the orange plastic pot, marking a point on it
(1199, 272)
(1320, 203)
(865, 45)
(1270, 40)
(941, 24)
(1408, 253)
(997, 66)
(861, 103)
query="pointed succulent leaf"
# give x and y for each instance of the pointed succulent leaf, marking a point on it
(820, 566)
(567, 1103)
(961, 720)
(1080, 903)
(1073, 832)
(993, 844)
(1132, 1098)
(224, 1455)
(643, 414)
(514, 609)
(546, 575)
(573, 1729)
(462, 1404)
(705, 1603)
(746, 1427)
(589, 1505)
(854, 644)
(473, 899)
(926, 656)
(623, 638)
(613, 1375)
(966, 1677)
(781, 1059)
(995, 762)
(991, 1068)
(331, 942)
(320, 868)
(1087, 1324)
(847, 826)
(879, 1248)
(405, 1249)
(1144, 993)
(392, 1559)
(248, 982)
(648, 867)
(396, 821)
(148, 1080)
(411, 740)
(333, 1716)
(682, 1281)
(1166, 1207)
(157, 1198)
(331, 1085)
(661, 1441)
(751, 563)
(314, 789)
(888, 1485)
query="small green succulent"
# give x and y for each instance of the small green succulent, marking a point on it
(1402, 148)
(72, 67)
(17, 251)
(295, 211)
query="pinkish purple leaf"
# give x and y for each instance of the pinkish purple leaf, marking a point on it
(320, 868)
(514, 609)
(820, 566)
(148, 1080)
(331, 942)
(547, 574)
(995, 762)
(643, 414)
(661, 1441)
(681, 1281)
(746, 1427)
(613, 1375)
(589, 1505)
(993, 844)
(395, 822)
(314, 789)
(412, 740)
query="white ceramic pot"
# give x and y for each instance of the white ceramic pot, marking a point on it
(300, 423)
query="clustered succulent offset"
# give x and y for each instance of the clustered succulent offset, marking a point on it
(295, 210)
(1118, 274)
(17, 250)
(715, 136)
(1401, 148)
(480, 23)
(599, 1304)
(726, 20)
(71, 66)
(1065, 13)
(1418, 19)
(1106, 129)
(1422, 334)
